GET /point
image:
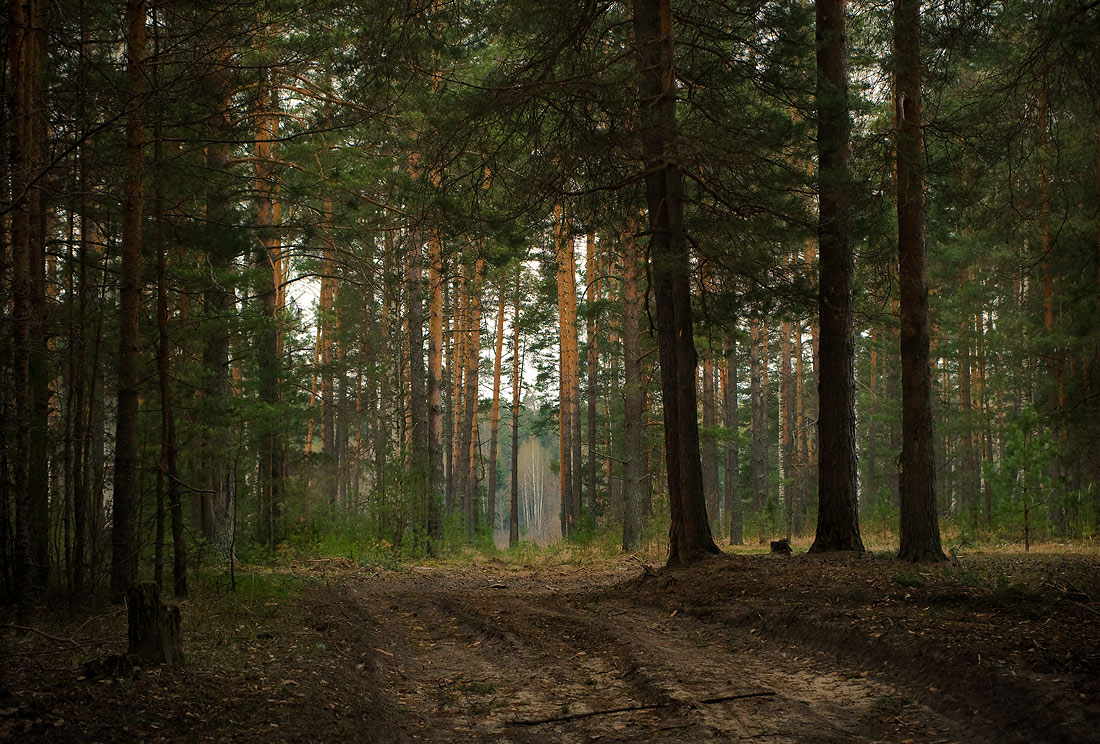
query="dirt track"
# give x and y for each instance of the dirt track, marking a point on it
(747, 648)
(499, 654)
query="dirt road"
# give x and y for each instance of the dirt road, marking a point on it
(506, 655)
(737, 648)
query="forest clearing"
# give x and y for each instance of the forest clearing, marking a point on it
(992, 647)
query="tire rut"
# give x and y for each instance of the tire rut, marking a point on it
(481, 661)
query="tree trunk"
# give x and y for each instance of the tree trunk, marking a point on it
(689, 529)
(436, 483)
(592, 275)
(494, 415)
(473, 357)
(920, 534)
(513, 501)
(212, 504)
(124, 547)
(268, 362)
(786, 440)
(709, 445)
(758, 388)
(838, 509)
(634, 452)
(733, 465)
(420, 470)
(169, 465)
(566, 283)
(24, 71)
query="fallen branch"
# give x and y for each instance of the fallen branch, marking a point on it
(634, 708)
(588, 714)
(75, 644)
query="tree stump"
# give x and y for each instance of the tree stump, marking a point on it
(154, 628)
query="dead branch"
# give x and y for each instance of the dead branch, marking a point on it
(75, 644)
(633, 708)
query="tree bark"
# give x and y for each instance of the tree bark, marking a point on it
(920, 534)
(494, 416)
(592, 364)
(567, 299)
(169, 455)
(838, 509)
(517, 365)
(758, 388)
(268, 361)
(689, 529)
(124, 546)
(733, 497)
(436, 483)
(634, 452)
(709, 445)
(473, 357)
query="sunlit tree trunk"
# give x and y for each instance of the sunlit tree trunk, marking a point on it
(494, 415)
(517, 365)
(567, 318)
(473, 357)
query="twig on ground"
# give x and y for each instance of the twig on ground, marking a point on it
(75, 644)
(634, 708)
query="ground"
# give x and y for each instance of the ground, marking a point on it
(736, 648)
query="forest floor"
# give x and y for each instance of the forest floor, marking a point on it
(987, 648)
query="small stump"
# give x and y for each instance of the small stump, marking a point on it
(781, 547)
(154, 628)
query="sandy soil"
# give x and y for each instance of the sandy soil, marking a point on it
(738, 648)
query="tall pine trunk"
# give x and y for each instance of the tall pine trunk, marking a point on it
(838, 509)
(634, 452)
(689, 529)
(494, 415)
(732, 493)
(517, 365)
(920, 534)
(124, 542)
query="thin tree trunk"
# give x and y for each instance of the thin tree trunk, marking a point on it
(123, 536)
(517, 365)
(436, 482)
(592, 274)
(634, 451)
(689, 529)
(267, 250)
(733, 465)
(418, 402)
(494, 416)
(758, 385)
(169, 466)
(709, 449)
(469, 426)
(920, 534)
